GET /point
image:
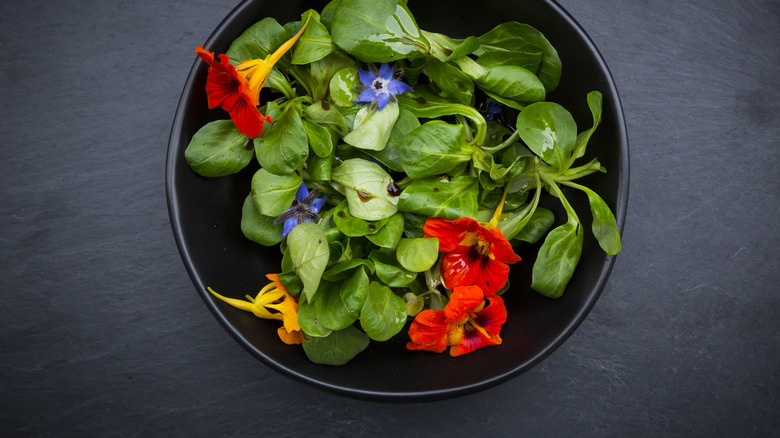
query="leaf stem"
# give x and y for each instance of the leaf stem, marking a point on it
(569, 209)
(508, 142)
(509, 230)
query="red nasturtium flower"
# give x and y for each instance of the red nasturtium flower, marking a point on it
(466, 323)
(237, 89)
(272, 302)
(473, 254)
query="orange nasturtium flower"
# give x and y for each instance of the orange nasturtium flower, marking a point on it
(272, 302)
(466, 323)
(237, 89)
(474, 253)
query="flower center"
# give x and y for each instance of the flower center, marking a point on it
(481, 247)
(379, 85)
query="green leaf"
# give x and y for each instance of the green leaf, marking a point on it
(413, 225)
(383, 314)
(340, 305)
(512, 82)
(527, 60)
(446, 49)
(315, 43)
(292, 283)
(549, 131)
(284, 145)
(340, 270)
(309, 252)
(274, 194)
(323, 70)
(604, 224)
(490, 202)
(387, 269)
(518, 37)
(417, 255)
(307, 317)
(448, 198)
(557, 259)
(319, 168)
(390, 155)
(595, 105)
(364, 184)
(258, 228)
(218, 149)
(425, 103)
(326, 16)
(257, 42)
(537, 226)
(414, 304)
(342, 86)
(337, 348)
(352, 226)
(573, 173)
(508, 82)
(434, 148)
(325, 114)
(448, 81)
(377, 30)
(320, 139)
(390, 233)
(373, 127)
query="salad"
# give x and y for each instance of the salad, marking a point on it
(399, 169)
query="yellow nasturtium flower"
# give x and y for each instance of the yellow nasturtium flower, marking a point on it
(272, 302)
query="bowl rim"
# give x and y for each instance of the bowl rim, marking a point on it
(621, 207)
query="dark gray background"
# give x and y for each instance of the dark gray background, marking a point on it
(103, 334)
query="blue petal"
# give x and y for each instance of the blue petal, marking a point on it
(383, 99)
(302, 192)
(366, 96)
(386, 72)
(398, 87)
(316, 205)
(366, 77)
(289, 224)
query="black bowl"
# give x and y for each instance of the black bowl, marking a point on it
(206, 212)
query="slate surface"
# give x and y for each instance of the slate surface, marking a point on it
(102, 333)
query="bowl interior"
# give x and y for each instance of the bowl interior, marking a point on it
(206, 213)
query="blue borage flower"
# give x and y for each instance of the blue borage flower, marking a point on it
(305, 207)
(380, 87)
(494, 110)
